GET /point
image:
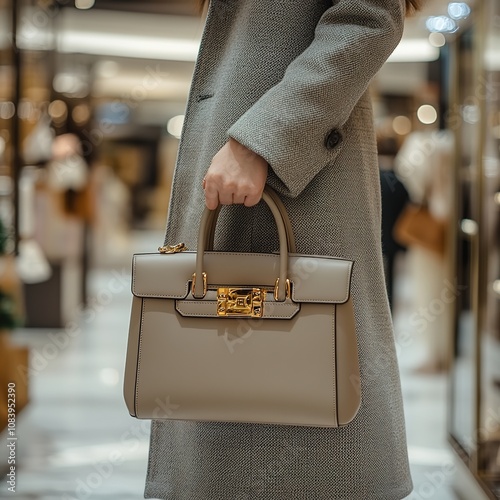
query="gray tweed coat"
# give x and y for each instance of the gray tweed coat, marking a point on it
(288, 79)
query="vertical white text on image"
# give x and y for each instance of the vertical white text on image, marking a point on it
(11, 436)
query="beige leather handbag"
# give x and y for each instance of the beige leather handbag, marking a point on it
(242, 337)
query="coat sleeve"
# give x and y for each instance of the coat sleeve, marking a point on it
(296, 126)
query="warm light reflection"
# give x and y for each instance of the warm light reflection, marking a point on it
(414, 50)
(106, 69)
(437, 39)
(84, 4)
(128, 45)
(7, 110)
(427, 114)
(81, 114)
(70, 84)
(401, 125)
(58, 110)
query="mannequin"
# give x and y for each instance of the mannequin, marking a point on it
(423, 165)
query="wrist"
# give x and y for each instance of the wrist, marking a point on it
(240, 148)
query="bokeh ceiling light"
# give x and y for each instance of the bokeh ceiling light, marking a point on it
(414, 50)
(174, 126)
(7, 110)
(437, 39)
(127, 45)
(25, 110)
(84, 4)
(471, 113)
(72, 81)
(67, 83)
(58, 110)
(441, 24)
(401, 125)
(427, 114)
(81, 114)
(458, 10)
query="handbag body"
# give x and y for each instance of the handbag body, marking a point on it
(242, 337)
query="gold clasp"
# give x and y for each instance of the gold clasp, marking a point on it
(240, 302)
(180, 247)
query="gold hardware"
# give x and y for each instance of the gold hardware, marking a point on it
(287, 289)
(204, 275)
(240, 302)
(180, 247)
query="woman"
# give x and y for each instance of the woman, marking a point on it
(279, 95)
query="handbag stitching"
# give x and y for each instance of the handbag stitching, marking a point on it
(137, 358)
(205, 315)
(335, 365)
(139, 354)
(133, 275)
(334, 360)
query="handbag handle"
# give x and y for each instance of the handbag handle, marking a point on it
(210, 233)
(207, 225)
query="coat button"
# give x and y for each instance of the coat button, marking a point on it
(333, 139)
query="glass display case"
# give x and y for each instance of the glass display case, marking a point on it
(474, 418)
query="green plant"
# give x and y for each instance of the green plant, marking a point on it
(8, 312)
(9, 299)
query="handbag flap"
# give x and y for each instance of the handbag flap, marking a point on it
(318, 279)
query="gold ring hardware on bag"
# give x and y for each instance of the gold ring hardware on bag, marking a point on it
(204, 275)
(240, 302)
(287, 289)
(180, 247)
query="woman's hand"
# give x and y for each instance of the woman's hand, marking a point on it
(236, 175)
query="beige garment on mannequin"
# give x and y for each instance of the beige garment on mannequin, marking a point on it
(424, 166)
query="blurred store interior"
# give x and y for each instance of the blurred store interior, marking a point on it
(92, 96)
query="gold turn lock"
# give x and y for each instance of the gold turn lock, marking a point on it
(240, 302)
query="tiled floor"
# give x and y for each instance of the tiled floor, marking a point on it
(76, 440)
